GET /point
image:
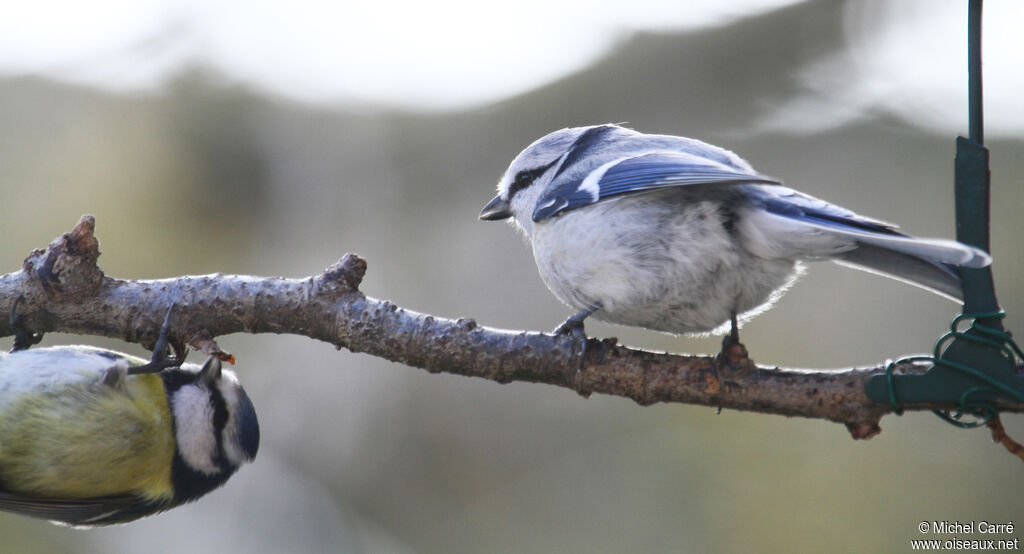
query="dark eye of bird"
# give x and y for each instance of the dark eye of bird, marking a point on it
(526, 177)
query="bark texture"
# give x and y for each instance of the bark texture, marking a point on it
(61, 288)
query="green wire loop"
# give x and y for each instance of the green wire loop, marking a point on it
(977, 333)
(984, 411)
(985, 341)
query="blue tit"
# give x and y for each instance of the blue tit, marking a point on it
(681, 236)
(85, 441)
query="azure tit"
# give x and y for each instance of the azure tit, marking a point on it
(677, 235)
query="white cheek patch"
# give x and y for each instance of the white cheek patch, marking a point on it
(193, 416)
(228, 386)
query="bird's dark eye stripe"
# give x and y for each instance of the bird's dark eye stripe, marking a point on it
(220, 421)
(220, 410)
(526, 177)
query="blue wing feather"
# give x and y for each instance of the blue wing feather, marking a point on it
(930, 263)
(660, 170)
(787, 202)
(640, 174)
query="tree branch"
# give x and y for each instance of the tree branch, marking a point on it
(61, 288)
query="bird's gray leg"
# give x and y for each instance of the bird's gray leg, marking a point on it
(23, 338)
(575, 322)
(734, 334)
(574, 328)
(733, 352)
(160, 360)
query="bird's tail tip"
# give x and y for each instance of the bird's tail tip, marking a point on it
(974, 257)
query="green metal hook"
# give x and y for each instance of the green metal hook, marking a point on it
(976, 367)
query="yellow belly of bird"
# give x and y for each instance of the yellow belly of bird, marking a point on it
(89, 439)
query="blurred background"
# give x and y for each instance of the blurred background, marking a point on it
(270, 139)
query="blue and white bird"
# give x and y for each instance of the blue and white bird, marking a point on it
(677, 235)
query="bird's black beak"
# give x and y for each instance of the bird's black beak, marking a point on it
(496, 209)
